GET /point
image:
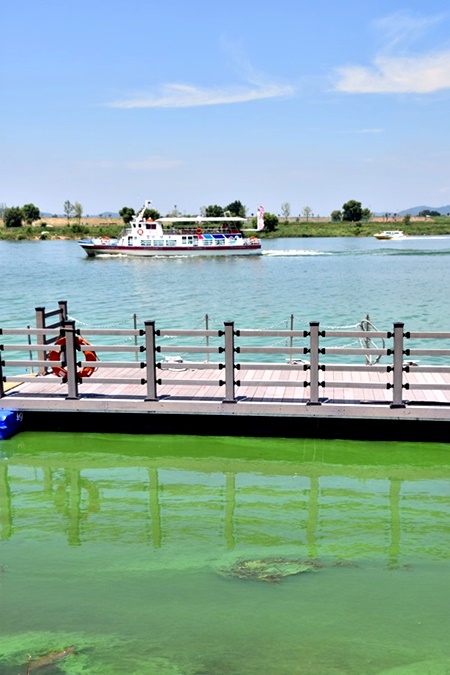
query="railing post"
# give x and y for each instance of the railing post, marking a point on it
(2, 388)
(40, 339)
(135, 337)
(397, 396)
(314, 363)
(230, 396)
(63, 313)
(71, 359)
(150, 349)
(291, 340)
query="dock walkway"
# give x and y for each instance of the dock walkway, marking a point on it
(192, 390)
(311, 379)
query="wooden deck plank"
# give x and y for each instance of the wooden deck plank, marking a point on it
(51, 393)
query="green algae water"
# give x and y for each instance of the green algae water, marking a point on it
(116, 553)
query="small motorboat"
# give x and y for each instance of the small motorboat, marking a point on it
(390, 234)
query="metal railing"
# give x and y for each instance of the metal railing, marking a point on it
(314, 353)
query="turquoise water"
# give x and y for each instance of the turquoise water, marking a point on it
(122, 546)
(334, 281)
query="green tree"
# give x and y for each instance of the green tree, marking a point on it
(285, 210)
(270, 222)
(78, 211)
(352, 211)
(236, 209)
(428, 212)
(30, 213)
(175, 213)
(151, 214)
(68, 211)
(126, 213)
(336, 216)
(406, 219)
(12, 216)
(367, 214)
(212, 211)
(307, 212)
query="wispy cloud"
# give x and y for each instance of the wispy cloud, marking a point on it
(252, 86)
(399, 30)
(401, 75)
(189, 96)
(395, 69)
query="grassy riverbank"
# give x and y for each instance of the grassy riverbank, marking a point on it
(431, 226)
(57, 228)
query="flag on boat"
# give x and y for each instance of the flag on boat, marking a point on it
(260, 218)
(148, 204)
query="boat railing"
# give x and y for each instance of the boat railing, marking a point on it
(318, 361)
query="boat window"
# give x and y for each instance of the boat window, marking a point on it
(171, 242)
(150, 226)
(158, 242)
(146, 242)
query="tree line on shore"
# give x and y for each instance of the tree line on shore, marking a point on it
(15, 216)
(351, 212)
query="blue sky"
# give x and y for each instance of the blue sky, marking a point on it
(195, 103)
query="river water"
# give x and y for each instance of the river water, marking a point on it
(130, 548)
(335, 281)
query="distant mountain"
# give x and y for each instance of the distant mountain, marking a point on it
(415, 210)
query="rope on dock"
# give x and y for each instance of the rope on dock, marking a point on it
(92, 325)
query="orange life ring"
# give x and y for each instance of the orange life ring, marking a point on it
(59, 371)
(199, 230)
(140, 231)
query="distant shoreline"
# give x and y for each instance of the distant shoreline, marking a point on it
(57, 228)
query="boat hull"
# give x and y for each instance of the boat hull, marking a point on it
(94, 250)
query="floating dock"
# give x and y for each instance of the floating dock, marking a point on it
(311, 389)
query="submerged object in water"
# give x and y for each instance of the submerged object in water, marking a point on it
(49, 659)
(272, 570)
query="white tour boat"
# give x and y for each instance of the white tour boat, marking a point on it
(177, 236)
(390, 234)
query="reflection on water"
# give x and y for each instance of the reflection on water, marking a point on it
(117, 541)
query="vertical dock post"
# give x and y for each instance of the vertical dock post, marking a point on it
(230, 396)
(314, 363)
(135, 337)
(207, 337)
(150, 348)
(63, 313)
(291, 340)
(40, 339)
(71, 359)
(2, 388)
(397, 396)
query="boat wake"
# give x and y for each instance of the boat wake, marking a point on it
(293, 252)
